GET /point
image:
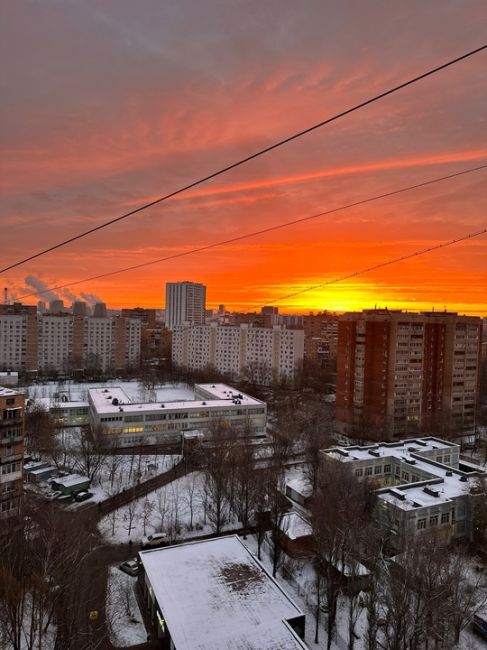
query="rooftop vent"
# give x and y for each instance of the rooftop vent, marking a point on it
(433, 492)
(417, 504)
(399, 495)
(115, 401)
(203, 403)
(105, 390)
(412, 449)
(463, 479)
(410, 461)
(449, 472)
(162, 406)
(374, 452)
(120, 408)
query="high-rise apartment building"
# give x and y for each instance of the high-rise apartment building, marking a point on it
(18, 337)
(400, 373)
(264, 353)
(185, 303)
(11, 449)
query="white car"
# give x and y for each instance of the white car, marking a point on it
(55, 495)
(151, 541)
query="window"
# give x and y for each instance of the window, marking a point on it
(378, 469)
(434, 520)
(447, 459)
(421, 524)
(368, 471)
(359, 472)
(445, 518)
(387, 469)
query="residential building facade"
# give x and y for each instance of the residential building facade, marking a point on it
(185, 303)
(400, 373)
(58, 342)
(11, 449)
(263, 354)
(18, 337)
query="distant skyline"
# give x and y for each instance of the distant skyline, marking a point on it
(105, 106)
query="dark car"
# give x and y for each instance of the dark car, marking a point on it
(82, 496)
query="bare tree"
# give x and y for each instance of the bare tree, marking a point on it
(191, 491)
(218, 453)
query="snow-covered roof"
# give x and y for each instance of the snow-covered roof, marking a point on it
(71, 479)
(300, 485)
(215, 595)
(102, 400)
(225, 392)
(294, 526)
(398, 449)
(438, 482)
(7, 392)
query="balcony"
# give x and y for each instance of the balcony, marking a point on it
(14, 439)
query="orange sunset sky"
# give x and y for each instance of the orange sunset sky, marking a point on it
(106, 105)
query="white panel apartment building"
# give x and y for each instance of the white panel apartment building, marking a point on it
(55, 341)
(266, 353)
(185, 303)
(112, 342)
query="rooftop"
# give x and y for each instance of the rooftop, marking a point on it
(439, 482)
(215, 595)
(114, 399)
(294, 526)
(8, 392)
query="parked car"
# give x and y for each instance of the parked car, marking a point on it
(55, 495)
(130, 566)
(151, 541)
(82, 496)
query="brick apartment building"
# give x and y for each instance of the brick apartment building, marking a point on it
(11, 449)
(400, 373)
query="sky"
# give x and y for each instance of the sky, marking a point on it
(106, 105)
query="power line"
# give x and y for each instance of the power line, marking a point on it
(379, 266)
(260, 232)
(247, 159)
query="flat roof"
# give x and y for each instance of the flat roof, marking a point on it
(215, 595)
(449, 482)
(102, 400)
(225, 392)
(399, 449)
(294, 526)
(71, 479)
(8, 392)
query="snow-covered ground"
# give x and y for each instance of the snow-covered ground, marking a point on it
(121, 472)
(124, 620)
(78, 391)
(170, 509)
(296, 577)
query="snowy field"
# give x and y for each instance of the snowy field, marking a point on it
(124, 620)
(78, 391)
(178, 509)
